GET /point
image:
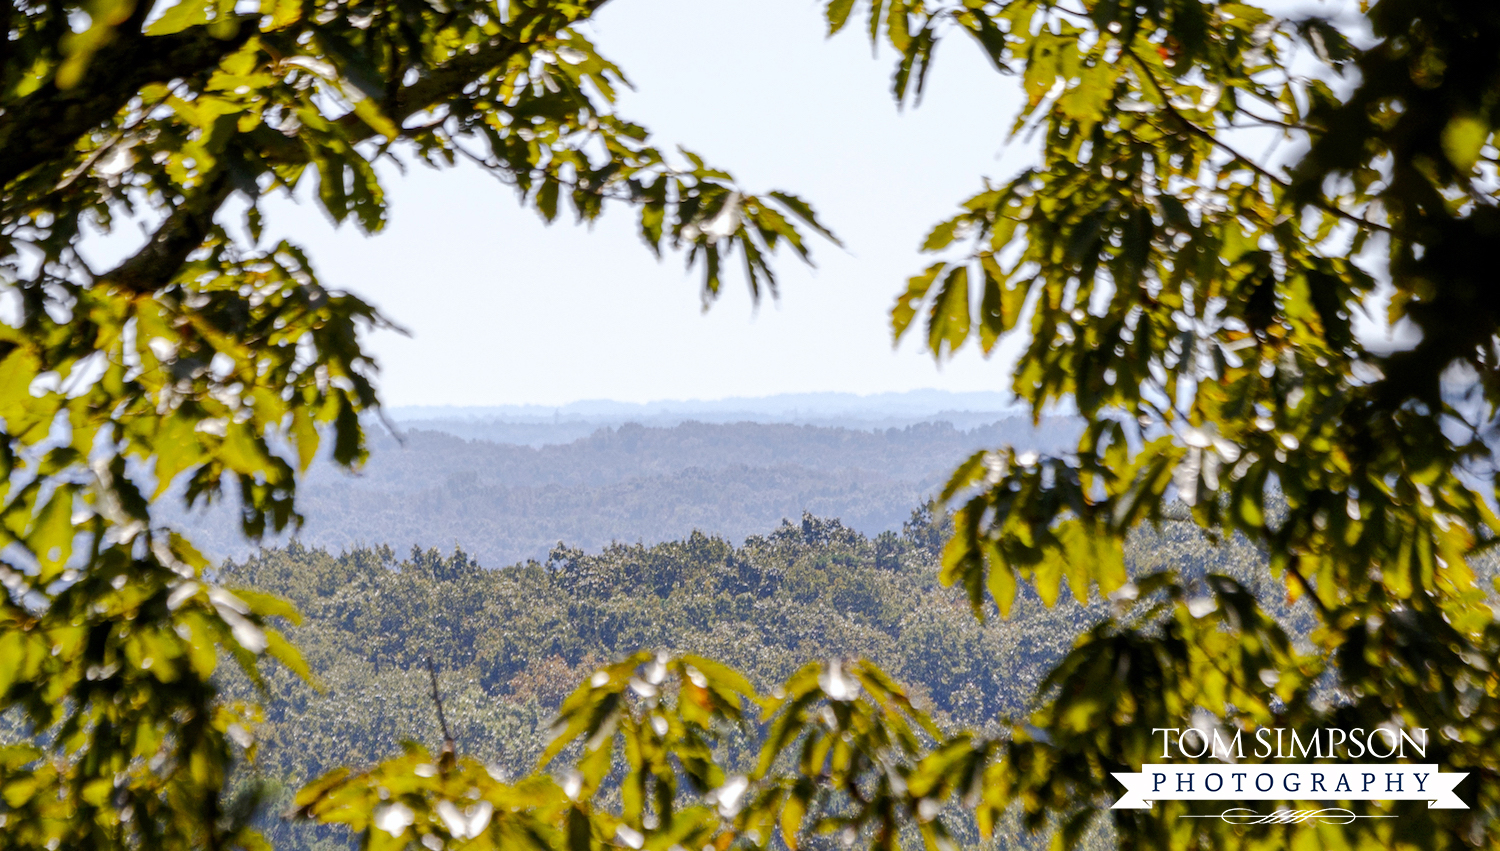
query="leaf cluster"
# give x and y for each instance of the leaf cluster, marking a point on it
(210, 358)
(1198, 305)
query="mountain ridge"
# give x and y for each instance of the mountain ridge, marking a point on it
(507, 502)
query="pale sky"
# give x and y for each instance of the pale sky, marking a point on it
(504, 310)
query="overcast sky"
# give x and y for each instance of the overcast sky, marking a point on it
(504, 310)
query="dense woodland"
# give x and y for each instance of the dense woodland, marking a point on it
(511, 642)
(505, 503)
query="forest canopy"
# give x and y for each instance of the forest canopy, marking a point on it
(511, 643)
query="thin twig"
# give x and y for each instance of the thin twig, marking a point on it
(1254, 166)
(1194, 129)
(438, 701)
(497, 171)
(1274, 123)
(99, 152)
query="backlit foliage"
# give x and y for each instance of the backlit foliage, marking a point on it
(1197, 303)
(211, 359)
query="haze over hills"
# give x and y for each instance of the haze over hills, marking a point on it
(537, 425)
(506, 501)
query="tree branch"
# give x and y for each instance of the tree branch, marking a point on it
(154, 266)
(36, 128)
(99, 152)
(448, 746)
(450, 78)
(54, 119)
(1213, 139)
(1294, 568)
(1272, 122)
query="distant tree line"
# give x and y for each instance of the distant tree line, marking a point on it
(505, 503)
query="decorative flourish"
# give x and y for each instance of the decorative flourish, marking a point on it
(1242, 816)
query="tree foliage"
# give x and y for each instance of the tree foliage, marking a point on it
(210, 359)
(1199, 305)
(511, 643)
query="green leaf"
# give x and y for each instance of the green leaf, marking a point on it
(280, 13)
(897, 23)
(51, 538)
(369, 111)
(804, 211)
(546, 198)
(838, 14)
(284, 652)
(793, 809)
(1463, 137)
(993, 319)
(916, 290)
(304, 433)
(1048, 576)
(948, 323)
(942, 235)
(1001, 581)
(181, 16)
(990, 37)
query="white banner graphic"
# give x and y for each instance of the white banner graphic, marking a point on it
(1169, 782)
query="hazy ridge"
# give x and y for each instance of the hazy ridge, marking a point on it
(507, 502)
